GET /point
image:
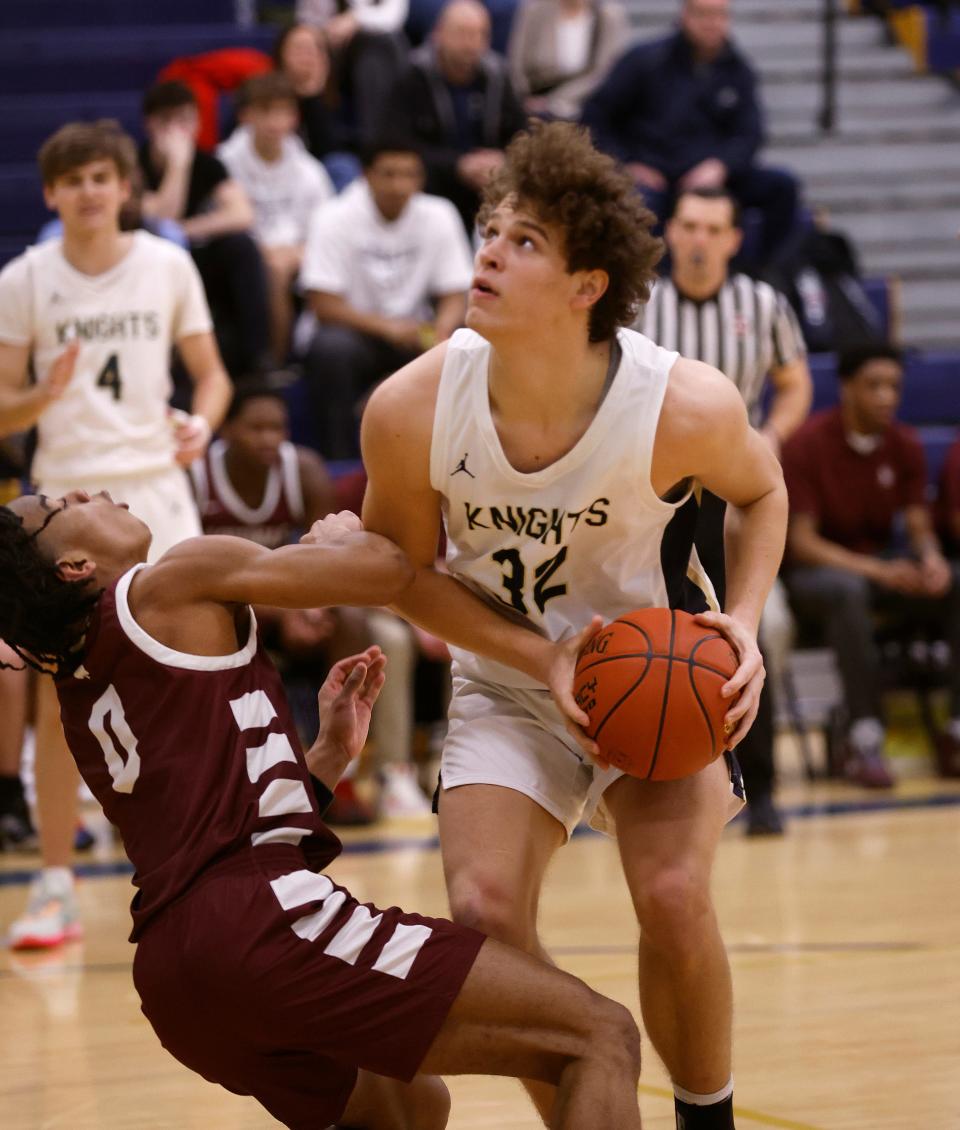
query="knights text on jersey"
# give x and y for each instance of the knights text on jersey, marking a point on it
(581, 536)
(112, 419)
(192, 757)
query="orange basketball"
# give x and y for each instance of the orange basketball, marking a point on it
(650, 682)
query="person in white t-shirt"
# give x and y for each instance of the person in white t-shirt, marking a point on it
(284, 183)
(95, 314)
(386, 272)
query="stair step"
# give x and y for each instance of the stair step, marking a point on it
(909, 94)
(886, 228)
(921, 260)
(877, 66)
(836, 163)
(928, 297)
(857, 131)
(903, 196)
(943, 335)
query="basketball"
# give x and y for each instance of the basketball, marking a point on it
(650, 682)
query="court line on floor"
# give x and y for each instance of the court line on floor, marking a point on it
(113, 868)
(760, 1116)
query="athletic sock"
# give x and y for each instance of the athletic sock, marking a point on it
(704, 1112)
(11, 793)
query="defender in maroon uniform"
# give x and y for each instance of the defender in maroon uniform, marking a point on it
(254, 968)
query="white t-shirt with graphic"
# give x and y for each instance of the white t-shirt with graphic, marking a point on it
(390, 268)
(112, 419)
(283, 193)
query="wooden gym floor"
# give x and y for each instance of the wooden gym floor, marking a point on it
(844, 939)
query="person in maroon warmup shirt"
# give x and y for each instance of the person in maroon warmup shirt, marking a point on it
(254, 968)
(852, 473)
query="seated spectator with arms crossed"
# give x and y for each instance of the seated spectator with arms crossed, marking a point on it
(851, 472)
(386, 272)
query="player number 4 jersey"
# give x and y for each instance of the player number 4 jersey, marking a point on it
(112, 417)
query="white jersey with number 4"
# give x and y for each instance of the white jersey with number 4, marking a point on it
(584, 535)
(112, 418)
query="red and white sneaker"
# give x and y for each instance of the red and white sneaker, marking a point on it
(51, 916)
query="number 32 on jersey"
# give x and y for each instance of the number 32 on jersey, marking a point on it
(515, 579)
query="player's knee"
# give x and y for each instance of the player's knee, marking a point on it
(429, 1105)
(495, 909)
(614, 1037)
(672, 910)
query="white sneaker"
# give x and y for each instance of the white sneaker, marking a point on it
(51, 916)
(401, 795)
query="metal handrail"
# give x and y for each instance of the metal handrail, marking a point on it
(827, 118)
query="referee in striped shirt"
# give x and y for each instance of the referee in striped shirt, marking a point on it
(748, 331)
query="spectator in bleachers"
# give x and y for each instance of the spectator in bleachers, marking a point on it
(560, 50)
(194, 188)
(749, 332)
(284, 183)
(683, 112)
(94, 317)
(853, 474)
(301, 54)
(386, 272)
(367, 47)
(455, 98)
(948, 501)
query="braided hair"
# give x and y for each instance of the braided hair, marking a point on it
(43, 618)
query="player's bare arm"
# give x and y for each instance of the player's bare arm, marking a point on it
(231, 212)
(704, 434)
(401, 504)
(792, 397)
(21, 405)
(214, 576)
(317, 486)
(211, 395)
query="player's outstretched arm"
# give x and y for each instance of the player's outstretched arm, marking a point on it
(339, 563)
(401, 504)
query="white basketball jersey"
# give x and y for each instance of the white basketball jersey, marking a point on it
(582, 536)
(112, 418)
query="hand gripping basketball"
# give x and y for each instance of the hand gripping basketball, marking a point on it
(650, 683)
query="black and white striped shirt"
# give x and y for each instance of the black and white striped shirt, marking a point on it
(746, 329)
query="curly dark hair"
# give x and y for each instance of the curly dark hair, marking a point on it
(554, 170)
(43, 618)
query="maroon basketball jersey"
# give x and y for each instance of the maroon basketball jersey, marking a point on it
(191, 756)
(280, 514)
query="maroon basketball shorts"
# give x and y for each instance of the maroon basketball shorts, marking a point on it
(272, 981)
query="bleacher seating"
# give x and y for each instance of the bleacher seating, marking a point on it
(64, 60)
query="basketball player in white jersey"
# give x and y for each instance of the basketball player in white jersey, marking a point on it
(96, 314)
(555, 446)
